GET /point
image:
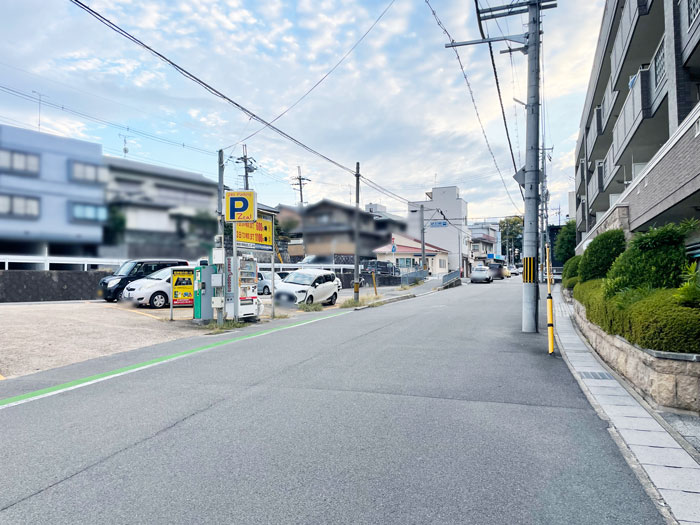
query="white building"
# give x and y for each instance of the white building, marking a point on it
(445, 223)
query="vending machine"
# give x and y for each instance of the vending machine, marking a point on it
(246, 272)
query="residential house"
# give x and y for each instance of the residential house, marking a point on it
(405, 253)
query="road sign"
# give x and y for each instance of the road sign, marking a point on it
(438, 224)
(241, 206)
(393, 248)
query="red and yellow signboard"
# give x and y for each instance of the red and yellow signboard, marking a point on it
(183, 288)
(255, 235)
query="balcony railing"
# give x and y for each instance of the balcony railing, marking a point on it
(632, 113)
(579, 215)
(628, 19)
(594, 187)
(607, 104)
(594, 131)
(609, 168)
(580, 169)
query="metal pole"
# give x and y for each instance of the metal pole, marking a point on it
(272, 292)
(422, 239)
(356, 283)
(219, 268)
(172, 294)
(236, 288)
(245, 165)
(530, 287)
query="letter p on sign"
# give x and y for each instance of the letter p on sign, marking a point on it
(241, 206)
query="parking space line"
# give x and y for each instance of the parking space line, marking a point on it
(133, 311)
(85, 381)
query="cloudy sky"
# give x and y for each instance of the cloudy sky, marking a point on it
(398, 104)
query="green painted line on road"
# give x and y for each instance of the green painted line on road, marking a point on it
(90, 379)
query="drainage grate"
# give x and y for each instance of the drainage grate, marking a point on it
(596, 375)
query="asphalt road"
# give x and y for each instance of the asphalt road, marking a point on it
(431, 410)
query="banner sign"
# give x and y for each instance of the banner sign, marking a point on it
(255, 235)
(183, 288)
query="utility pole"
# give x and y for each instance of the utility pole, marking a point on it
(39, 96)
(356, 279)
(528, 177)
(422, 238)
(245, 159)
(300, 183)
(220, 230)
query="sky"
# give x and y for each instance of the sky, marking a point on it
(398, 104)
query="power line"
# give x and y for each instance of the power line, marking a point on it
(184, 72)
(61, 107)
(320, 80)
(476, 109)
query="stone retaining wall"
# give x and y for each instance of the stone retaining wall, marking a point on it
(668, 379)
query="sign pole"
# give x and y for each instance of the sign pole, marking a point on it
(172, 294)
(272, 285)
(236, 289)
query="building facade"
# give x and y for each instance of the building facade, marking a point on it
(405, 253)
(445, 223)
(52, 197)
(639, 142)
(486, 241)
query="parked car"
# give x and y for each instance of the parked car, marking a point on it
(338, 283)
(265, 282)
(308, 286)
(154, 290)
(111, 288)
(382, 268)
(481, 274)
(282, 275)
(514, 270)
(498, 271)
(317, 259)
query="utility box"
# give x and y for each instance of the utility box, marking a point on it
(203, 292)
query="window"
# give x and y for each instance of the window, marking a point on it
(18, 162)
(83, 172)
(329, 277)
(660, 64)
(88, 212)
(693, 10)
(19, 206)
(443, 263)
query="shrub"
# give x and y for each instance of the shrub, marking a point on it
(571, 267)
(310, 307)
(655, 258)
(600, 255)
(570, 282)
(689, 293)
(647, 317)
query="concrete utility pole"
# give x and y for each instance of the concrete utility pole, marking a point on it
(300, 183)
(528, 177)
(356, 278)
(422, 238)
(247, 169)
(220, 229)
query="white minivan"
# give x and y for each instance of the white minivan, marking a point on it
(308, 286)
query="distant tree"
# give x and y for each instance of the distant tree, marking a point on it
(511, 233)
(115, 226)
(565, 246)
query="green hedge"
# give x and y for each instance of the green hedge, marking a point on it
(570, 268)
(650, 318)
(570, 282)
(600, 255)
(656, 258)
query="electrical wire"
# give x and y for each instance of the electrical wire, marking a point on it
(320, 80)
(187, 74)
(128, 129)
(476, 109)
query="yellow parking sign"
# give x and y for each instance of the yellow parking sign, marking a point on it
(241, 206)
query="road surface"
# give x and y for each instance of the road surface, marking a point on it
(432, 410)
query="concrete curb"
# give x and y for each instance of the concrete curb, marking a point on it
(387, 301)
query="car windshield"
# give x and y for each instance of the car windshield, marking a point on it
(299, 278)
(160, 274)
(268, 275)
(480, 269)
(494, 266)
(125, 268)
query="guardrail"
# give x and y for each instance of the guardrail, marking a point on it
(413, 277)
(297, 266)
(452, 276)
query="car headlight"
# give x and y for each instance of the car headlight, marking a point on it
(113, 282)
(301, 292)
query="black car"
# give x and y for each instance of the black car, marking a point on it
(381, 267)
(497, 270)
(112, 287)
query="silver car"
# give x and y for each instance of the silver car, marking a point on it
(265, 282)
(481, 274)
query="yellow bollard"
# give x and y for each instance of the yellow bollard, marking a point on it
(550, 312)
(374, 282)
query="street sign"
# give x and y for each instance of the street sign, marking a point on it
(438, 224)
(241, 206)
(393, 248)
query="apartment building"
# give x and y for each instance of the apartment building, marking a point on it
(52, 198)
(638, 150)
(486, 241)
(445, 223)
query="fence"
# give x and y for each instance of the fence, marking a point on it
(449, 277)
(413, 277)
(46, 261)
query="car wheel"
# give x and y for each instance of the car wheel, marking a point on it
(158, 300)
(120, 296)
(309, 300)
(266, 291)
(110, 300)
(333, 299)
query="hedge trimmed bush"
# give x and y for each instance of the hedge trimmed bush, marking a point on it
(570, 282)
(600, 255)
(655, 258)
(650, 318)
(570, 268)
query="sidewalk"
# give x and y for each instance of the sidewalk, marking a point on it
(671, 472)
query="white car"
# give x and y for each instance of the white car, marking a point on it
(153, 290)
(308, 286)
(339, 284)
(265, 282)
